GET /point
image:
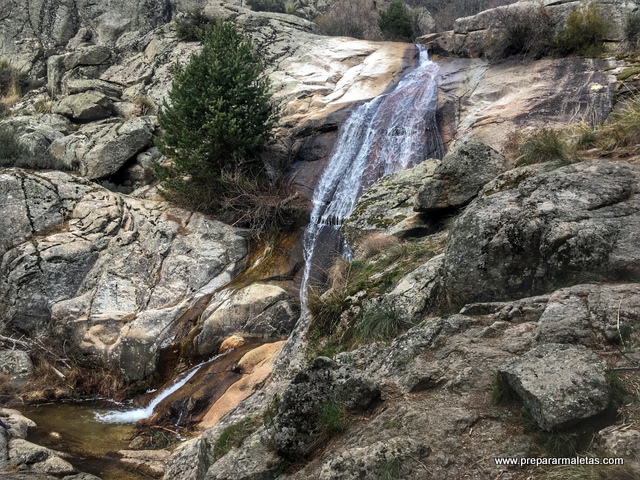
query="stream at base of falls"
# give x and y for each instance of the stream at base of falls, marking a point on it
(72, 428)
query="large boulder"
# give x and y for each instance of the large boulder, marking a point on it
(554, 227)
(46, 26)
(459, 177)
(115, 273)
(86, 106)
(497, 103)
(100, 150)
(17, 365)
(259, 310)
(590, 314)
(387, 205)
(36, 132)
(296, 427)
(559, 384)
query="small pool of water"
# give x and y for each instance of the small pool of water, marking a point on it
(92, 444)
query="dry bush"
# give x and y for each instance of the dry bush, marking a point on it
(523, 31)
(446, 13)
(376, 243)
(338, 274)
(351, 18)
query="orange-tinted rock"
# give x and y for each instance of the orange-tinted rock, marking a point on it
(229, 343)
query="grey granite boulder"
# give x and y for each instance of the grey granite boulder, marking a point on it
(86, 106)
(460, 176)
(114, 273)
(259, 310)
(387, 206)
(563, 226)
(296, 427)
(559, 384)
(99, 150)
(17, 365)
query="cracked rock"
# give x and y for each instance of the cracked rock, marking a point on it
(559, 384)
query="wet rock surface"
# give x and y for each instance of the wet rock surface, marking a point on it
(259, 310)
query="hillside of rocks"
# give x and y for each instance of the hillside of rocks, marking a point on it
(515, 287)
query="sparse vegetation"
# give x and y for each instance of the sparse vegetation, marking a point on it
(332, 420)
(376, 243)
(193, 26)
(589, 472)
(523, 31)
(502, 393)
(584, 33)
(632, 31)
(396, 22)
(558, 444)
(14, 154)
(446, 13)
(545, 145)
(145, 105)
(379, 321)
(391, 469)
(350, 18)
(344, 316)
(233, 436)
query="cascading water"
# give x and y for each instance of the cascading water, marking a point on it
(394, 131)
(132, 416)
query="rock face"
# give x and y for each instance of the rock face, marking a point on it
(259, 310)
(86, 106)
(474, 36)
(459, 177)
(297, 427)
(115, 273)
(553, 227)
(493, 103)
(100, 150)
(49, 25)
(559, 384)
(17, 365)
(387, 206)
(586, 314)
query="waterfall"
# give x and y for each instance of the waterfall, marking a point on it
(394, 131)
(132, 416)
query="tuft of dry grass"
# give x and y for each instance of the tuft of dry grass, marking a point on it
(376, 243)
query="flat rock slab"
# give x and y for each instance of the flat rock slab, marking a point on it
(559, 384)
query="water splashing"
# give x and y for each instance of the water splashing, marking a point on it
(394, 131)
(132, 416)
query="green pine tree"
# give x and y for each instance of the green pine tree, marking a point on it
(396, 22)
(218, 119)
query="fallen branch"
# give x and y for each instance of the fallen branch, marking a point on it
(165, 428)
(15, 342)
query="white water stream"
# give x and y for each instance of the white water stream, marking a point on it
(132, 416)
(394, 131)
